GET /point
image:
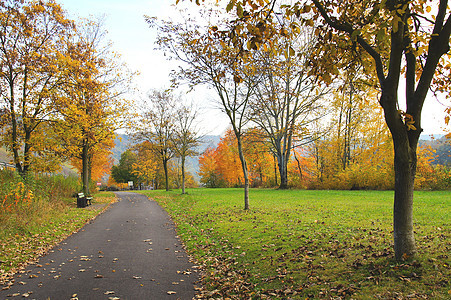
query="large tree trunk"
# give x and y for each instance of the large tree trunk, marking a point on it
(85, 167)
(283, 173)
(166, 176)
(405, 162)
(403, 233)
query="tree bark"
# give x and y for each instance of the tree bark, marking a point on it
(85, 167)
(183, 175)
(405, 162)
(166, 176)
(245, 173)
(405, 168)
(283, 173)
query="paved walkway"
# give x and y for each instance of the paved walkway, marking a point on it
(129, 252)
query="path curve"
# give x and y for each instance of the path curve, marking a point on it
(131, 251)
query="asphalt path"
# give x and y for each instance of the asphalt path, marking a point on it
(131, 251)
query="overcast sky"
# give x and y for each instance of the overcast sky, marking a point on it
(134, 40)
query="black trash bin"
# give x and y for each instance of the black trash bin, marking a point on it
(81, 200)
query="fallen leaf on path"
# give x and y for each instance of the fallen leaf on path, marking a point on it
(171, 293)
(108, 292)
(113, 298)
(81, 270)
(136, 277)
(98, 276)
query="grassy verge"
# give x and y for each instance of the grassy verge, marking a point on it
(311, 244)
(34, 224)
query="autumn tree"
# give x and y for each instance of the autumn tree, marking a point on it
(257, 149)
(391, 38)
(186, 136)
(220, 167)
(208, 58)
(90, 103)
(146, 166)
(287, 94)
(391, 33)
(208, 172)
(30, 40)
(155, 124)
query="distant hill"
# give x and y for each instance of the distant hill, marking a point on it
(124, 142)
(442, 147)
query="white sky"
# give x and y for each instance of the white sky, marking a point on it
(134, 40)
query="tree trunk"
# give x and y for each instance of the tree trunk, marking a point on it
(299, 166)
(183, 175)
(245, 173)
(166, 176)
(275, 170)
(283, 173)
(85, 167)
(405, 161)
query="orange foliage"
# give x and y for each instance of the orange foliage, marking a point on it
(101, 160)
(221, 167)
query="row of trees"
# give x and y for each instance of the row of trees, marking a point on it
(318, 165)
(377, 40)
(164, 130)
(60, 87)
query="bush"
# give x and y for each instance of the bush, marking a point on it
(29, 202)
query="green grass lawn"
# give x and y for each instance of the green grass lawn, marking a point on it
(311, 244)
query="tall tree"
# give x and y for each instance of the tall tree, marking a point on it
(186, 136)
(208, 59)
(389, 38)
(391, 32)
(30, 39)
(90, 104)
(287, 95)
(155, 125)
